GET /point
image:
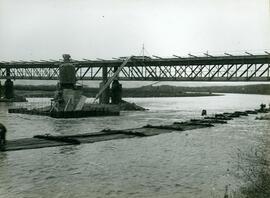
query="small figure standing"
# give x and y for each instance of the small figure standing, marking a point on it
(204, 112)
(262, 106)
(3, 131)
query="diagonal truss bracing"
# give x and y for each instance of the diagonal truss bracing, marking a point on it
(224, 68)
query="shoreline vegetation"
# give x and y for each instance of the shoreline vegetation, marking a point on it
(150, 91)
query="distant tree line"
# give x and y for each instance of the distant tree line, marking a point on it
(157, 91)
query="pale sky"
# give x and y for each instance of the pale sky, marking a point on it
(45, 29)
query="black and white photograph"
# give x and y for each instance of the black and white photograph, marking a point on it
(134, 98)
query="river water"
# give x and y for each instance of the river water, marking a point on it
(196, 163)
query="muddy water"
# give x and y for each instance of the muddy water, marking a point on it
(196, 163)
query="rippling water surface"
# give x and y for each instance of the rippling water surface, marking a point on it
(195, 163)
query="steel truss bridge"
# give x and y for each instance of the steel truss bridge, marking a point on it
(141, 68)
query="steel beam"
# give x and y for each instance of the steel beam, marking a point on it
(208, 68)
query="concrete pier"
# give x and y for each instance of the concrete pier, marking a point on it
(8, 86)
(68, 97)
(116, 92)
(105, 96)
(7, 90)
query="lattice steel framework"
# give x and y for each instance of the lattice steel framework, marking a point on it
(218, 68)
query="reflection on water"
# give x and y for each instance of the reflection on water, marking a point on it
(194, 163)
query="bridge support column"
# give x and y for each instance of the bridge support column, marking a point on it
(105, 96)
(8, 86)
(116, 93)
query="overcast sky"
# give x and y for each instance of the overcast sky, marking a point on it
(45, 29)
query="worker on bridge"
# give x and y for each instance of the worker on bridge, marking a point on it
(3, 131)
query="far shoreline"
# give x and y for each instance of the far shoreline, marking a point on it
(46, 94)
(150, 91)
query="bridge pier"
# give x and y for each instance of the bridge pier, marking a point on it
(105, 96)
(8, 86)
(8, 89)
(116, 93)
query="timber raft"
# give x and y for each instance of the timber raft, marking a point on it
(42, 141)
(88, 110)
(67, 114)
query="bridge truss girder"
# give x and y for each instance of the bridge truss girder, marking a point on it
(224, 68)
(233, 72)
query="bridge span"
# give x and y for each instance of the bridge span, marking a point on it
(143, 68)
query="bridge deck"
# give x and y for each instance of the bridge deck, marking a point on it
(210, 68)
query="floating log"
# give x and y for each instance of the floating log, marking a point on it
(251, 112)
(174, 127)
(241, 113)
(219, 117)
(211, 121)
(233, 115)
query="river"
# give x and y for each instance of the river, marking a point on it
(196, 163)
